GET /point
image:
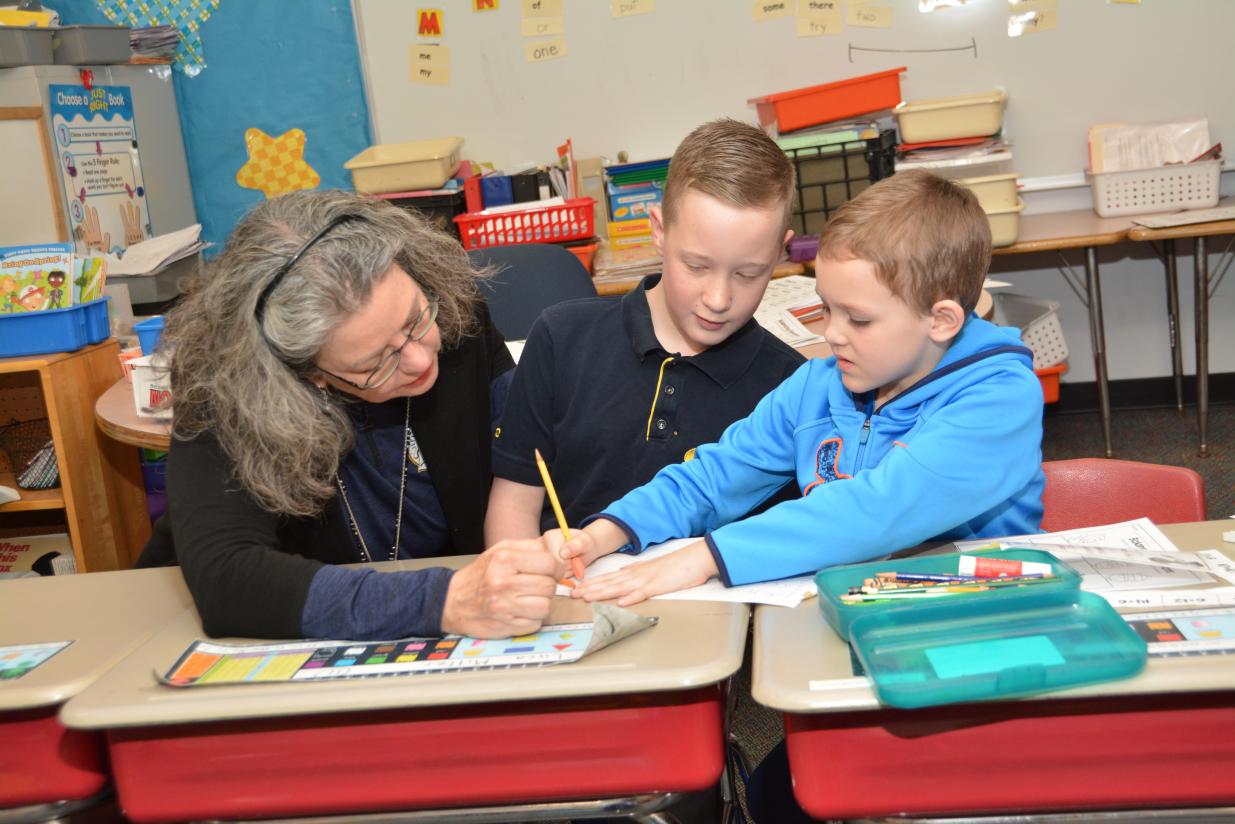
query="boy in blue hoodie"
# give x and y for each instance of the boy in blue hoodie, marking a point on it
(925, 425)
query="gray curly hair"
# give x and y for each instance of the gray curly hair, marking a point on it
(247, 386)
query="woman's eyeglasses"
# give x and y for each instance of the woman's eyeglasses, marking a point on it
(390, 362)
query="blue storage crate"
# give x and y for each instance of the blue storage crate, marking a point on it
(54, 330)
(148, 332)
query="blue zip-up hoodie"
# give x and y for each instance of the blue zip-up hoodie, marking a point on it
(957, 455)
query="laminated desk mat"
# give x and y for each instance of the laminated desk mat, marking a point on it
(207, 663)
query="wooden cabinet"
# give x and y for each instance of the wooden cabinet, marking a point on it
(100, 494)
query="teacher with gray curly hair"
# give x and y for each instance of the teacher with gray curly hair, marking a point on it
(337, 379)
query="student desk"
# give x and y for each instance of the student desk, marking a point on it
(1199, 232)
(643, 716)
(1165, 738)
(106, 615)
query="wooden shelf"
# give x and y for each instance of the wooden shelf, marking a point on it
(31, 498)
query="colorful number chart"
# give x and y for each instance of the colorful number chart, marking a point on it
(16, 661)
(1186, 632)
(205, 662)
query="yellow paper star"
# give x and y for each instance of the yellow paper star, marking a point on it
(276, 164)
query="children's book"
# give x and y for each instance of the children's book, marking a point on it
(34, 278)
(90, 274)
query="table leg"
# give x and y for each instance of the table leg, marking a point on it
(1202, 341)
(1172, 314)
(1097, 334)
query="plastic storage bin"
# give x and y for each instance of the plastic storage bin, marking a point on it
(403, 167)
(1049, 378)
(1005, 224)
(148, 332)
(571, 220)
(91, 45)
(993, 191)
(25, 46)
(813, 105)
(54, 330)
(1039, 324)
(946, 118)
(1164, 189)
(827, 176)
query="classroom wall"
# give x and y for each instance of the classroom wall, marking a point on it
(640, 83)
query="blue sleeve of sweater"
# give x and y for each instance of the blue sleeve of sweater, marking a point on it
(367, 605)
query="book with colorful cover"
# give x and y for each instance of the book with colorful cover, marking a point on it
(34, 278)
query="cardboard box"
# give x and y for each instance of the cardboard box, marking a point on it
(43, 554)
(152, 388)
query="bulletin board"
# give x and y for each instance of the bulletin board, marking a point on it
(641, 82)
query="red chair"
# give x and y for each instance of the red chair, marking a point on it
(1094, 491)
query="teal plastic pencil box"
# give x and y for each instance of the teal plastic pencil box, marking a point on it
(973, 646)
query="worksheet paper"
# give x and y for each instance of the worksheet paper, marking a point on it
(788, 592)
(1133, 565)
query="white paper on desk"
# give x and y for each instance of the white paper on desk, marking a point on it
(1140, 535)
(786, 593)
(1133, 539)
(786, 327)
(149, 256)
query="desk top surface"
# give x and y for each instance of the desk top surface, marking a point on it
(105, 614)
(1191, 230)
(696, 643)
(116, 417)
(802, 666)
(1066, 230)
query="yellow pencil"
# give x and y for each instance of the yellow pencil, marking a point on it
(576, 563)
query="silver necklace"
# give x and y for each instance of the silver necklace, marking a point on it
(394, 549)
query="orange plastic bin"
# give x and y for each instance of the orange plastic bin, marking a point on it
(1049, 377)
(813, 105)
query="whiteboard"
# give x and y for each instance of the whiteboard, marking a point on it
(640, 83)
(32, 217)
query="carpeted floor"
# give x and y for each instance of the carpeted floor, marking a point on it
(1151, 435)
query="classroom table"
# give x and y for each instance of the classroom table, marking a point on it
(1162, 739)
(1199, 232)
(642, 717)
(1080, 229)
(116, 417)
(106, 615)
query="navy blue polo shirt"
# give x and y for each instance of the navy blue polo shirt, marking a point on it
(608, 407)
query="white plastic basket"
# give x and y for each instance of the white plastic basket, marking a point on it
(1038, 321)
(1164, 189)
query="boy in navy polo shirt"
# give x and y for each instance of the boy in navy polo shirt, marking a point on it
(611, 391)
(925, 425)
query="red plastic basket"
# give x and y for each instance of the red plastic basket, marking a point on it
(571, 220)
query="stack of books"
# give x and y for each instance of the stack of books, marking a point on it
(633, 189)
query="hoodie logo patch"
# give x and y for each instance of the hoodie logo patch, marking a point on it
(827, 462)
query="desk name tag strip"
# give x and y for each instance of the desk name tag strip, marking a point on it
(209, 663)
(19, 659)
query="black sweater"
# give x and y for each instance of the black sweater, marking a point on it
(249, 570)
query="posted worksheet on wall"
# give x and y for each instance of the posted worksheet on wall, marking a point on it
(212, 663)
